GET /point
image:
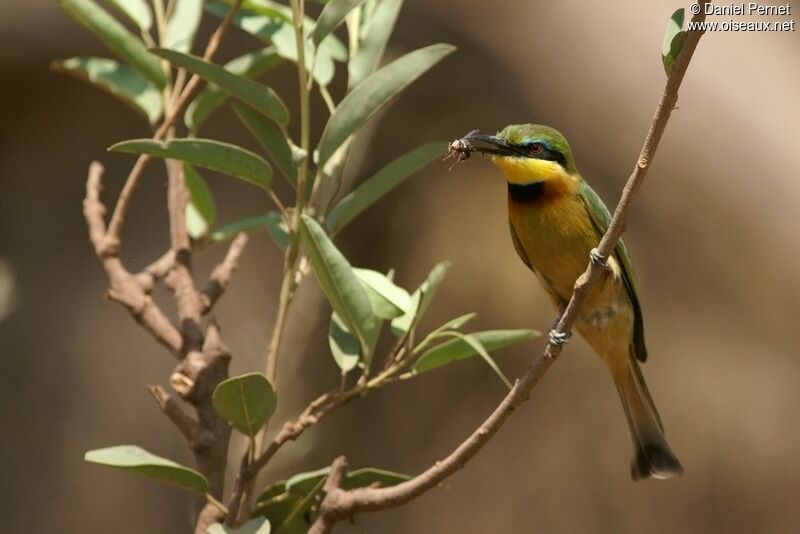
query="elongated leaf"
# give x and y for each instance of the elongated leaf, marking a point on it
(388, 300)
(182, 25)
(271, 140)
(376, 187)
(214, 155)
(119, 80)
(212, 97)
(374, 93)
(116, 37)
(271, 221)
(302, 483)
(673, 40)
(345, 348)
(332, 15)
(340, 285)
(476, 345)
(375, 34)
(459, 349)
(452, 324)
(201, 213)
(137, 11)
(137, 460)
(246, 402)
(259, 97)
(259, 525)
(421, 299)
(366, 476)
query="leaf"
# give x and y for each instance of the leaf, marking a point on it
(340, 285)
(206, 153)
(459, 349)
(212, 97)
(452, 324)
(388, 300)
(366, 476)
(116, 37)
(137, 460)
(303, 483)
(182, 25)
(271, 23)
(119, 80)
(344, 346)
(201, 212)
(332, 15)
(271, 140)
(137, 11)
(476, 345)
(259, 525)
(259, 97)
(246, 402)
(421, 299)
(377, 186)
(271, 221)
(673, 40)
(374, 93)
(375, 34)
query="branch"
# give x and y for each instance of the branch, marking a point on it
(339, 504)
(222, 273)
(185, 423)
(195, 83)
(157, 270)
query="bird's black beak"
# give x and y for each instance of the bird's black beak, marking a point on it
(496, 145)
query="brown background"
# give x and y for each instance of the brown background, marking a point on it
(714, 237)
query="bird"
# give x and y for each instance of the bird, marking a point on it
(556, 221)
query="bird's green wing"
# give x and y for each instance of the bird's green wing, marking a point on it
(601, 218)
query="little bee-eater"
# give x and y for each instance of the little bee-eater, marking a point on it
(556, 220)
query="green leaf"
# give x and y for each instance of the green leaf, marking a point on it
(271, 23)
(246, 402)
(116, 37)
(452, 324)
(206, 153)
(332, 15)
(460, 349)
(201, 213)
(341, 286)
(377, 186)
(137, 11)
(375, 34)
(259, 97)
(259, 525)
(476, 345)
(212, 97)
(271, 140)
(366, 476)
(119, 80)
(137, 460)
(182, 25)
(420, 299)
(344, 346)
(388, 300)
(303, 483)
(673, 40)
(271, 221)
(374, 93)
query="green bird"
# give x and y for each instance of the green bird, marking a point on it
(556, 222)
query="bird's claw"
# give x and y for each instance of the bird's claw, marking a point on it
(598, 259)
(558, 338)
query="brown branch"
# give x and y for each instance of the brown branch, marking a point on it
(222, 273)
(124, 287)
(184, 422)
(339, 504)
(112, 242)
(156, 271)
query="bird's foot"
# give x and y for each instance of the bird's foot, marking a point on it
(558, 338)
(598, 259)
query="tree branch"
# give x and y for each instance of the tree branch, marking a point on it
(184, 422)
(339, 504)
(222, 273)
(156, 271)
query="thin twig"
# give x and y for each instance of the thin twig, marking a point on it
(222, 273)
(339, 504)
(184, 422)
(157, 270)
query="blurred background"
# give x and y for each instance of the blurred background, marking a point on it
(714, 236)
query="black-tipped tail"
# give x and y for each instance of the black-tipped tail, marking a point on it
(653, 457)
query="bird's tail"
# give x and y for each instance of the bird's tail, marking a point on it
(653, 457)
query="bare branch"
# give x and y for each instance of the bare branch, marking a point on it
(222, 273)
(185, 423)
(339, 504)
(157, 270)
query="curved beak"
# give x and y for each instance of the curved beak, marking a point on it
(496, 145)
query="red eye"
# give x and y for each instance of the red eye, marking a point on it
(536, 148)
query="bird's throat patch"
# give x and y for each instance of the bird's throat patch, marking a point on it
(528, 170)
(526, 193)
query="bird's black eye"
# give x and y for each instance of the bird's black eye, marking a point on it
(536, 148)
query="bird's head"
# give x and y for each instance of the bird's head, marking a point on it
(527, 153)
